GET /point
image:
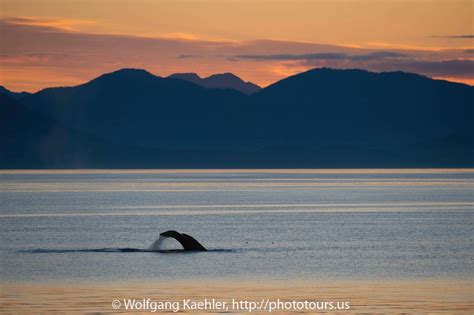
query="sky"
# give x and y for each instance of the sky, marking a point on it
(46, 43)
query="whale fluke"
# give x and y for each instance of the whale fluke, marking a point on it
(192, 241)
(188, 242)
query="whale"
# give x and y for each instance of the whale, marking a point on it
(188, 242)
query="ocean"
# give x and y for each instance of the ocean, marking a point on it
(257, 224)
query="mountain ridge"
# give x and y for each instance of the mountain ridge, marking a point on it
(219, 81)
(319, 118)
(14, 95)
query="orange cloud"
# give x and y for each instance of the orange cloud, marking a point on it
(38, 53)
(64, 24)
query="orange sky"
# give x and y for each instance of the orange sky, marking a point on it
(51, 42)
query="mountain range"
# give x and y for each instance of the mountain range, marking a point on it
(219, 81)
(14, 95)
(319, 118)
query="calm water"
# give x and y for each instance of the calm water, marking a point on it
(284, 224)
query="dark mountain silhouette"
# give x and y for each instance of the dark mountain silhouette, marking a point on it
(15, 95)
(219, 81)
(136, 107)
(369, 104)
(399, 118)
(320, 118)
(29, 139)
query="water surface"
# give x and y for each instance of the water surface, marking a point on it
(258, 224)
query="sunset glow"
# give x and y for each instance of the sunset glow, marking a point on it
(44, 43)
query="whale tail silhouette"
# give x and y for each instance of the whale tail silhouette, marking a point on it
(188, 242)
(192, 243)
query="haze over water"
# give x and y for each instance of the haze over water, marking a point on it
(258, 224)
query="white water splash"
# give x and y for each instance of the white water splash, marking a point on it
(157, 244)
(165, 243)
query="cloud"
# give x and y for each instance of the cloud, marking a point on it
(378, 55)
(376, 61)
(456, 68)
(443, 68)
(39, 53)
(184, 56)
(55, 23)
(327, 56)
(462, 36)
(182, 36)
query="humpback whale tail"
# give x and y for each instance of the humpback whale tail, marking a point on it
(188, 242)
